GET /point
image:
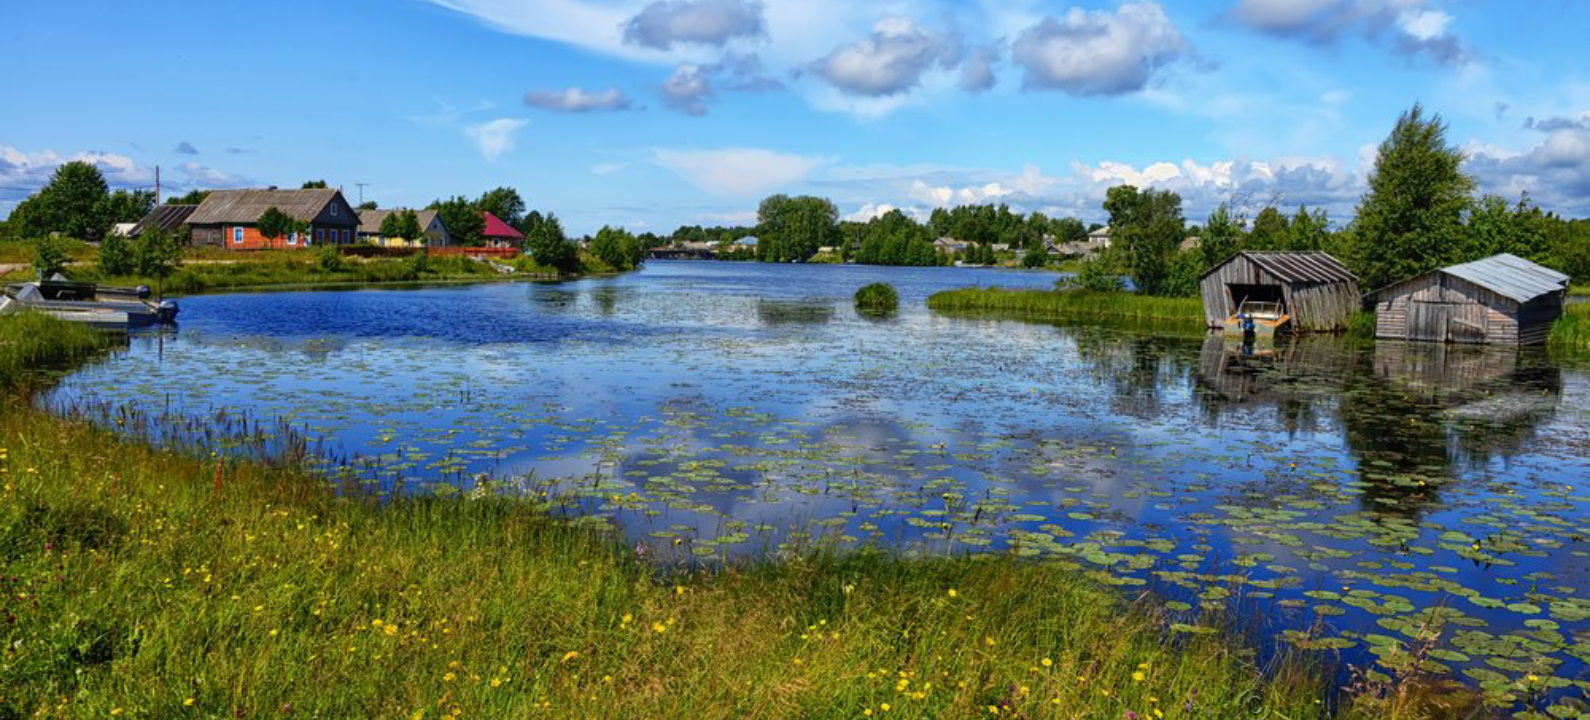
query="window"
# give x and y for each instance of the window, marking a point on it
(237, 236)
(345, 236)
(292, 238)
(320, 235)
(333, 209)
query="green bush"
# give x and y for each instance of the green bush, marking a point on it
(877, 297)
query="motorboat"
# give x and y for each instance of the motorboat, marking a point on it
(96, 305)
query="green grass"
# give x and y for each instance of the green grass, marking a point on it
(301, 269)
(151, 584)
(31, 341)
(877, 297)
(1071, 305)
(1572, 330)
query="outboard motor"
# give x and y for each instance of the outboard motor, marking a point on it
(143, 292)
(166, 311)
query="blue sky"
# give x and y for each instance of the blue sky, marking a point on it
(650, 114)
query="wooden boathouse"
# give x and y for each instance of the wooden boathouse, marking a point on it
(1501, 300)
(1313, 288)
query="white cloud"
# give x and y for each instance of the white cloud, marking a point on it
(23, 173)
(209, 177)
(737, 171)
(495, 137)
(706, 22)
(691, 86)
(1416, 26)
(578, 100)
(1100, 52)
(869, 211)
(977, 73)
(688, 89)
(1555, 173)
(889, 61)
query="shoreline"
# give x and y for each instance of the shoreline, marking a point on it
(335, 605)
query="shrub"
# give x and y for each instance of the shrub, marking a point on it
(330, 259)
(877, 297)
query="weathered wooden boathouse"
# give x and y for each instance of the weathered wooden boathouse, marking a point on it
(1314, 289)
(1501, 300)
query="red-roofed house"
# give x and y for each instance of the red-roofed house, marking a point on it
(500, 234)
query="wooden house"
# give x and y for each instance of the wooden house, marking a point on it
(1315, 290)
(499, 234)
(1501, 300)
(433, 232)
(230, 218)
(165, 218)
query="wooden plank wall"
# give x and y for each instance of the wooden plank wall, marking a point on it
(1436, 307)
(1315, 307)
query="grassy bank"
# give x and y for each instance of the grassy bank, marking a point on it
(33, 340)
(1070, 305)
(143, 583)
(302, 269)
(1572, 330)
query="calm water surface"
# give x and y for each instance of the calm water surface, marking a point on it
(1347, 495)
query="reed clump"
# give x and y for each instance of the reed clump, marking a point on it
(1070, 305)
(877, 298)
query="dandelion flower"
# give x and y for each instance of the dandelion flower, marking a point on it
(1048, 663)
(1138, 676)
(953, 593)
(570, 655)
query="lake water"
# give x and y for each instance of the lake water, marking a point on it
(1347, 495)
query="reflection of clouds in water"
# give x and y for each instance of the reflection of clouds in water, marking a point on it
(805, 416)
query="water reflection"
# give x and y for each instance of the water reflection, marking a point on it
(1413, 415)
(794, 312)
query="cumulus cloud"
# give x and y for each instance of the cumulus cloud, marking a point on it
(688, 89)
(23, 173)
(578, 100)
(185, 148)
(889, 61)
(1100, 52)
(207, 177)
(1415, 26)
(977, 73)
(704, 22)
(1319, 182)
(495, 137)
(691, 86)
(737, 171)
(1555, 173)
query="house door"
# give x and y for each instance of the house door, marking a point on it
(1429, 321)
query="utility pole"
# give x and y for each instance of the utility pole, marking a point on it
(361, 191)
(157, 186)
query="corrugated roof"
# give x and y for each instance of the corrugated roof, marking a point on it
(496, 228)
(1511, 277)
(1296, 266)
(370, 220)
(245, 206)
(164, 217)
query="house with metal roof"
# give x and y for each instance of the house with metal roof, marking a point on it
(1313, 290)
(499, 234)
(433, 232)
(230, 218)
(1501, 300)
(166, 218)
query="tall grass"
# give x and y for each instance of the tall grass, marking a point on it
(150, 584)
(1572, 330)
(1071, 304)
(877, 298)
(300, 269)
(30, 341)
